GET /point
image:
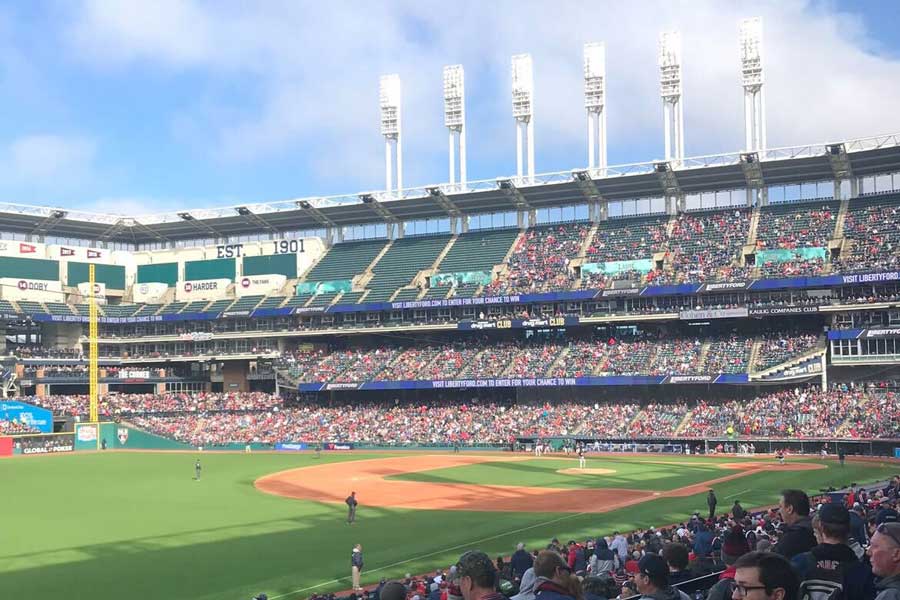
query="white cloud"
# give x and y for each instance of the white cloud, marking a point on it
(314, 72)
(48, 159)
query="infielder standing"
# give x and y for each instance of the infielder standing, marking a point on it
(351, 507)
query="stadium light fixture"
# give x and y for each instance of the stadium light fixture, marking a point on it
(455, 119)
(523, 113)
(752, 80)
(595, 102)
(670, 91)
(390, 103)
(186, 216)
(243, 211)
(443, 201)
(59, 214)
(509, 189)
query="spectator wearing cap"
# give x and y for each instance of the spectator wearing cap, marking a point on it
(797, 536)
(477, 577)
(555, 580)
(520, 562)
(765, 576)
(576, 560)
(393, 590)
(833, 560)
(884, 554)
(652, 580)
(733, 548)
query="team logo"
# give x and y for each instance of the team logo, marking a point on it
(144, 288)
(245, 282)
(27, 249)
(93, 253)
(66, 252)
(122, 434)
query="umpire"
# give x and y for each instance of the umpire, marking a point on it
(351, 507)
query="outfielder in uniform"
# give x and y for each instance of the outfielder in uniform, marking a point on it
(197, 469)
(582, 462)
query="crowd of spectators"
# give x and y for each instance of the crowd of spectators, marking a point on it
(702, 244)
(788, 227)
(874, 230)
(779, 348)
(8, 427)
(540, 260)
(113, 405)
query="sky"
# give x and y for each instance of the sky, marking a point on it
(133, 107)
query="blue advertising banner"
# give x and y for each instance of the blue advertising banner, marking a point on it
(33, 416)
(720, 378)
(291, 447)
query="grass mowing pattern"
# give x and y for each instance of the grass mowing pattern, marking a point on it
(111, 525)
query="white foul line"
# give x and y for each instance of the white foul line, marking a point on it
(430, 554)
(738, 494)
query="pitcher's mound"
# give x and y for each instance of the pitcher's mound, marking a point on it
(577, 471)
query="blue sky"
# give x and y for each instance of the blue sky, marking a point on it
(146, 107)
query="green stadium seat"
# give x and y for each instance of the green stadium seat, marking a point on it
(405, 258)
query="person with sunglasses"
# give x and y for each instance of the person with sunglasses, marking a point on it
(884, 554)
(764, 576)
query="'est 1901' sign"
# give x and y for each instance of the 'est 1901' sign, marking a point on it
(280, 247)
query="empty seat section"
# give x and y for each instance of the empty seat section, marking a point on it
(295, 301)
(436, 293)
(405, 258)
(172, 308)
(245, 303)
(216, 307)
(195, 306)
(85, 310)
(351, 297)
(31, 308)
(6, 307)
(345, 260)
(120, 310)
(323, 299)
(478, 251)
(58, 308)
(147, 309)
(466, 290)
(272, 302)
(407, 294)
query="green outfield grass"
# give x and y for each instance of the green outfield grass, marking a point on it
(137, 526)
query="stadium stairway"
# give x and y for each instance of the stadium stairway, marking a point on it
(754, 354)
(754, 224)
(688, 416)
(637, 417)
(841, 217)
(704, 352)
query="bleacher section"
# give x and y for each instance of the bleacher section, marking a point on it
(707, 245)
(405, 258)
(147, 310)
(247, 303)
(216, 307)
(345, 260)
(295, 301)
(466, 290)
(195, 306)
(791, 226)
(873, 226)
(351, 297)
(436, 293)
(120, 310)
(172, 308)
(323, 299)
(627, 239)
(478, 251)
(272, 302)
(31, 308)
(59, 308)
(540, 259)
(407, 294)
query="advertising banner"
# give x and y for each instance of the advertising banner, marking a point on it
(6, 446)
(291, 447)
(149, 293)
(86, 436)
(518, 323)
(22, 249)
(725, 286)
(259, 285)
(134, 374)
(37, 290)
(202, 289)
(33, 416)
(99, 290)
(780, 255)
(644, 265)
(448, 279)
(308, 288)
(765, 311)
(712, 313)
(45, 444)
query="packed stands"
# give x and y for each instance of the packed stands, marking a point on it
(707, 245)
(16, 428)
(540, 259)
(728, 355)
(873, 227)
(627, 239)
(792, 226)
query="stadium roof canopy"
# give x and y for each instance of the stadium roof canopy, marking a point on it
(781, 166)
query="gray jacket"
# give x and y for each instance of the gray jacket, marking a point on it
(888, 588)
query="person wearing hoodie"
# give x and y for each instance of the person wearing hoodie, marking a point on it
(652, 580)
(734, 547)
(884, 553)
(555, 580)
(832, 560)
(703, 540)
(526, 588)
(520, 562)
(738, 511)
(797, 535)
(603, 561)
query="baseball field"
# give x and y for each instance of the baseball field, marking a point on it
(138, 525)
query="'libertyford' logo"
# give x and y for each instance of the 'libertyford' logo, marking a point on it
(690, 378)
(736, 285)
(33, 286)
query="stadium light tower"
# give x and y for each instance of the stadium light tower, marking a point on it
(522, 110)
(595, 102)
(455, 119)
(752, 80)
(389, 95)
(670, 90)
